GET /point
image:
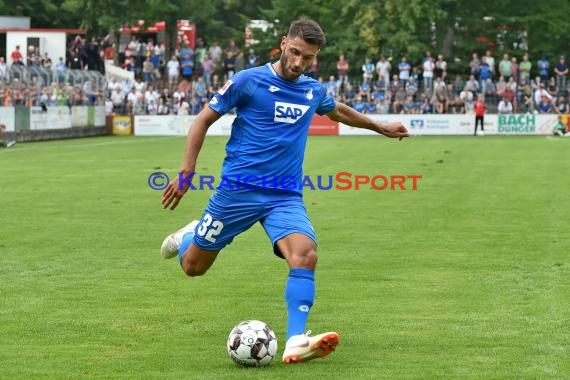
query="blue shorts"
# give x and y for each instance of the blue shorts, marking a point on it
(231, 212)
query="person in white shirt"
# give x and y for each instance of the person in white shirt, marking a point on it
(173, 68)
(505, 106)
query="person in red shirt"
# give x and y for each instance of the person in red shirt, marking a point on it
(17, 57)
(479, 113)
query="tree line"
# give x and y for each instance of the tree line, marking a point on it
(357, 28)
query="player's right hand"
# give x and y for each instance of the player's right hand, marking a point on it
(173, 194)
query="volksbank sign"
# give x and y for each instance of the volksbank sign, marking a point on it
(517, 124)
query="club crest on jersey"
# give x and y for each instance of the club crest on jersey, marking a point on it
(309, 94)
(288, 112)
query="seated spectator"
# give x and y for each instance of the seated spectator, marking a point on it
(382, 106)
(440, 100)
(505, 106)
(364, 90)
(457, 106)
(357, 104)
(467, 96)
(398, 99)
(545, 105)
(472, 85)
(427, 104)
(562, 105)
(410, 107)
(411, 87)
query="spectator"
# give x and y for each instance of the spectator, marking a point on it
(561, 71)
(440, 70)
(428, 68)
(383, 68)
(404, 70)
(524, 68)
(342, 68)
(505, 67)
(17, 57)
(3, 141)
(505, 106)
(173, 68)
(543, 69)
(252, 59)
(3, 70)
(367, 70)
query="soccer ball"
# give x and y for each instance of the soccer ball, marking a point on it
(252, 344)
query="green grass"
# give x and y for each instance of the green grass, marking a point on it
(466, 277)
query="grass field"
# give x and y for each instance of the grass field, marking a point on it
(466, 277)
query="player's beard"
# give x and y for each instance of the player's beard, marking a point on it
(287, 70)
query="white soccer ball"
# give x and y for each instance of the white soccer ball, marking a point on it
(252, 344)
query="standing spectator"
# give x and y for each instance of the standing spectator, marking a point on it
(479, 115)
(229, 65)
(342, 68)
(367, 69)
(173, 68)
(186, 57)
(239, 64)
(313, 70)
(515, 69)
(505, 67)
(148, 71)
(561, 70)
(404, 69)
(440, 70)
(383, 68)
(3, 70)
(252, 59)
(208, 69)
(475, 66)
(524, 68)
(215, 51)
(491, 62)
(428, 68)
(543, 69)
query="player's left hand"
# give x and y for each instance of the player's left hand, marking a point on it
(394, 130)
(173, 194)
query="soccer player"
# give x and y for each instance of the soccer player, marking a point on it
(274, 104)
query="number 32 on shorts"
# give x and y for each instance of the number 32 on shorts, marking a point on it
(209, 229)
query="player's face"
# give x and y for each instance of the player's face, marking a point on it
(296, 56)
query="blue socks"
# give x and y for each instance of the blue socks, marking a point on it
(300, 295)
(187, 239)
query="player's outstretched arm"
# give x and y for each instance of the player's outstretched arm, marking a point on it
(173, 192)
(349, 116)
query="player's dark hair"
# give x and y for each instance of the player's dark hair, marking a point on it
(309, 30)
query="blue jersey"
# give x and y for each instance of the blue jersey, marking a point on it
(269, 135)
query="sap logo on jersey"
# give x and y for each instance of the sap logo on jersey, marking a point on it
(288, 112)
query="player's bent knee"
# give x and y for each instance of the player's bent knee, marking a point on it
(193, 270)
(303, 259)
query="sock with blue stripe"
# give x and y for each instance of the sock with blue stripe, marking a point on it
(187, 239)
(300, 295)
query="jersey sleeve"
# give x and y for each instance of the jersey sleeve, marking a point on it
(326, 104)
(233, 93)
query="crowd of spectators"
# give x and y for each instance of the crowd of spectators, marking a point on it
(185, 80)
